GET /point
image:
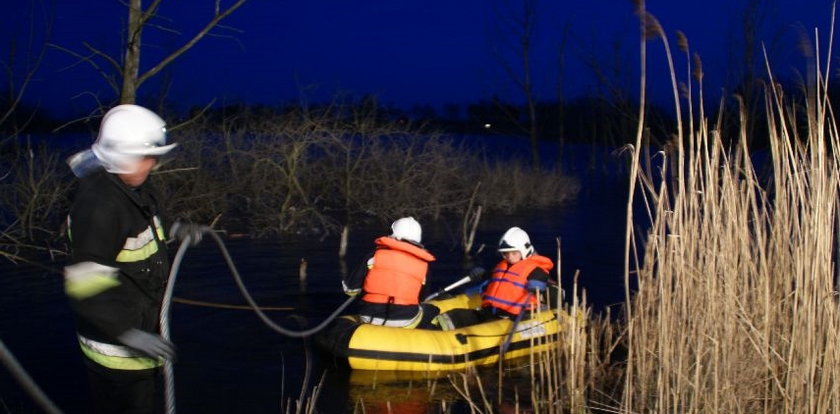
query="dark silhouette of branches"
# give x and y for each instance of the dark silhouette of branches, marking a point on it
(123, 74)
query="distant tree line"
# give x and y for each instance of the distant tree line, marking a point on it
(587, 119)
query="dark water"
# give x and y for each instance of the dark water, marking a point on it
(229, 362)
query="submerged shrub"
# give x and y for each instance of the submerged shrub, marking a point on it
(304, 170)
(319, 170)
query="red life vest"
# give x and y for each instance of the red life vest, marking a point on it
(398, 272)
(507, 291)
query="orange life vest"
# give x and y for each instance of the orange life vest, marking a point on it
(398, 272)
(507, 288)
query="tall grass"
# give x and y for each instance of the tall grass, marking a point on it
(736, 306)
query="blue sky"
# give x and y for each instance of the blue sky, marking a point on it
(407, 52)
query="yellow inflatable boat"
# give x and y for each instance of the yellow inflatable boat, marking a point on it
(373, 347)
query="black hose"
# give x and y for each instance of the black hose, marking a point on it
(164, 315)
(277, 328)
(169, 377)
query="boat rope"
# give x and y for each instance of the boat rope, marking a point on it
(168, 371)
(26, 381)
(218, 305)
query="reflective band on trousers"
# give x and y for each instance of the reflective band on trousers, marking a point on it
(116, 356)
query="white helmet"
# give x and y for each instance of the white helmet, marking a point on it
(128, 133)
(515, 239)
(407, 228)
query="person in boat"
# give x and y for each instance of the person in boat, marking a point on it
(393, 279)
(117, 272)
(512, 286)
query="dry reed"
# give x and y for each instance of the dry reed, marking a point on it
(736, 307)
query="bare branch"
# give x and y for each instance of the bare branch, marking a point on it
(87, 59)
(97, 112)
(32, 69)
(150, 12)
(219, 16)
(104, 55)
(194, 117)
(164, 29)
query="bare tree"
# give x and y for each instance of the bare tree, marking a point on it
(128, 68)
(32, 191)
(520, 24)
(18, 81)
(561, 100)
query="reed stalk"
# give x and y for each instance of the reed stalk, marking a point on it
(736, 306)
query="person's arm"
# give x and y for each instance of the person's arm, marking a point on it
(537, 280)
(93, 282)
(353, 283)
(538, 274)
(424, 289)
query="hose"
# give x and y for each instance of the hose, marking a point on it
(168, 371)
(277, 328)
(26, 381)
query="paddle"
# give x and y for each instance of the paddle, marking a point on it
(475, 274)
(513, 329)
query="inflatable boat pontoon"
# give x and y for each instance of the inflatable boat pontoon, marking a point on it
(373, 347)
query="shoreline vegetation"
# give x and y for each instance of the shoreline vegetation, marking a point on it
(319, 171)
(735, 304)
(732, 300)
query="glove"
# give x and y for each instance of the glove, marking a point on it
(476, 290)
(535, 285)
(149, 344)
(180, 231)
(477, 273)
(348, 291)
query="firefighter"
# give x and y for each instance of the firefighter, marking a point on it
(116, 276)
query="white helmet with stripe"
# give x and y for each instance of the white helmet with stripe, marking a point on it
(516, 239)
(127, 134)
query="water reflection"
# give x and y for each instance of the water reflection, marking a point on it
(378, 392)
(385, 392)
